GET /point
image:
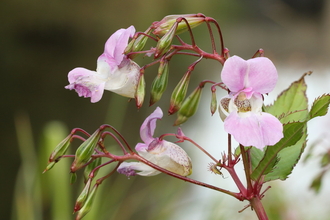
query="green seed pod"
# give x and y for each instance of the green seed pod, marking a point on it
(140, 92)
(179, 93)
(88, 169)
(165, 43)
(85, 151)
(189, 106)
(60, 149)
(163, 26)
(49, 166)
(160, 82)
(137, 44)
(83, 196)
(88, 203)
(214, 103)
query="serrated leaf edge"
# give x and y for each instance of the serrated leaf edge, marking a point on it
(275, 155)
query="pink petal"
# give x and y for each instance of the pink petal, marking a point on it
(83, 81)
(141, 148)
(109, 60)
(261, 75)
(116, 44)
(79, 72)
(272, 128)
(148, 127)
(233, 73)
(97, 93)
(254, 129)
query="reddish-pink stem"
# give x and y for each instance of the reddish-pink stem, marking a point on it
(258, 208)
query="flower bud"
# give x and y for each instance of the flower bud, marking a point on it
(85, 151)
(82, 197)
(165, 43)
(189, 106)
(214, 103)
(163, 26)
(160, 82)
(140, 91)
(88, 203)
(179, 93)
(137, 44)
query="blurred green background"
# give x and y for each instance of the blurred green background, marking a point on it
(42, 41)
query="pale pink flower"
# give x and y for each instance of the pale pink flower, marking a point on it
(160, 152)
(241, 110)
(114, 72)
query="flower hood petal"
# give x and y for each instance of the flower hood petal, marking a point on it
(116, 44)
(148, 127)
(254, 129)
(233, 73)
(259, 73)
(262, 75)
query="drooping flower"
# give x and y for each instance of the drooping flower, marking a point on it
(241, 110)
(160, 152)
(114, 72)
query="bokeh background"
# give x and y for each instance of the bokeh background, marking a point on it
(42, 41)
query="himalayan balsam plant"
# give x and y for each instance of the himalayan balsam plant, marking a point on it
(271, 138)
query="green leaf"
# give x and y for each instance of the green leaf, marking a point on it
(256, 156)
(320, 106)
(325, 160)
(288, 158)
(317, 182)
(293, 132)
(291, 105)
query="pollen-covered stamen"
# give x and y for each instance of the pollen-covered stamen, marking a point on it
(214, 169)
(242, 103)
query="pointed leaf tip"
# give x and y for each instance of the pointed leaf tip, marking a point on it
(320, 106)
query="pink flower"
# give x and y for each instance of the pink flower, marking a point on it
(114, 72)
(241, 110)
(160, 152)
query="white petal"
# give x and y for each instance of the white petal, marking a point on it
(124, 80)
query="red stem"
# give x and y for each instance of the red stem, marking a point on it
(185, 138)
(237, 181)
(189, 29)
(246, 164)
(135, 156)
(208, 19)
(116, 139)
(236, 195)
(257, 206)
(229, 150)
